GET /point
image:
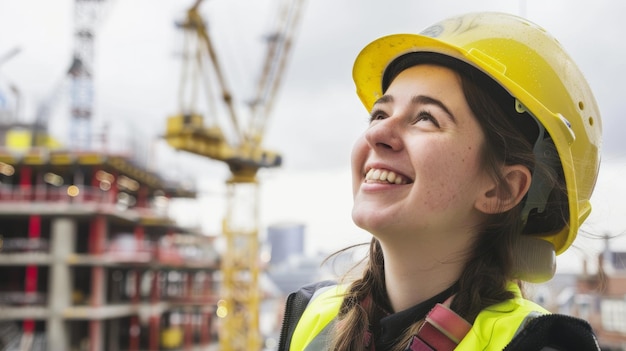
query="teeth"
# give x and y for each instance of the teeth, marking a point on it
(383, 175)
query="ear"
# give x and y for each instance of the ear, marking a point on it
(494, 199)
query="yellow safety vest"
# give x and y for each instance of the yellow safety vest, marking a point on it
(493, 329)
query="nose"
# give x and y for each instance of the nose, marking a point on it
(384, 134)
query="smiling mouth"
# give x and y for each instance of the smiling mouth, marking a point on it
(376, 175)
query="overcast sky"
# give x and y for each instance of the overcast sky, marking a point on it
(317, 114)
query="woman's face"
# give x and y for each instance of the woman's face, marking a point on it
(417, 167)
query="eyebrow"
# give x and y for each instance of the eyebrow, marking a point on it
(419, 100)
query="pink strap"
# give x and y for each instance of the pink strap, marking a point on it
(435, 338)
(448, 322)
(418, 344)
(367, 341)
(442, 330)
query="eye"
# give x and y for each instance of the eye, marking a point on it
(377, 115)
(425, 116)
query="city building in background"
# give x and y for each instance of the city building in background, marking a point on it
(285, 240)
(595, 295)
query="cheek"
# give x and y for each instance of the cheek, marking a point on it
(450, 177)
(358, 156)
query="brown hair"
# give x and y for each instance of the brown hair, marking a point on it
(489, 262)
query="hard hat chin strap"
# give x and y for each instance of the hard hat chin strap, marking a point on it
(536, 216)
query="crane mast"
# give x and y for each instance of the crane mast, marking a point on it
(242, 152)
(86, 15)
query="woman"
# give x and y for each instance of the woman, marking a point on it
(475, 171)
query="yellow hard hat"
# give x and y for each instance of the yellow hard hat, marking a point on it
(533, 68)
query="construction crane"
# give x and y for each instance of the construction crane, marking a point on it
(239, 145)
(8, 114)
(87, 15)
(39, 130)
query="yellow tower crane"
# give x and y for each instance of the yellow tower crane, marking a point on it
(241, 150)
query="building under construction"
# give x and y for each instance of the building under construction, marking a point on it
(91, 261)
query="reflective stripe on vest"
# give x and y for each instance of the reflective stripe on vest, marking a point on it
(493, 329)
